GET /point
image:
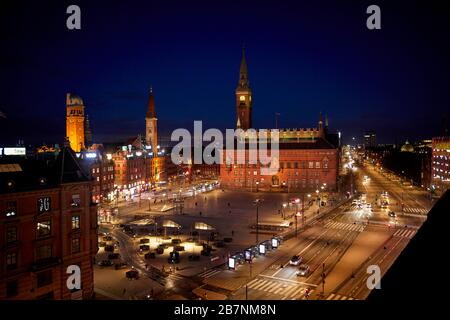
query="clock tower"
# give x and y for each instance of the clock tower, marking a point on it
(243, 97)
(75, 122)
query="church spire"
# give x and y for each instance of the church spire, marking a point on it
(243, 71)
(151, 105)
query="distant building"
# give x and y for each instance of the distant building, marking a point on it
(87, 132)
(307, 159)
(47, 223)
(441, 164)
(370, 139)
(75, 122)
(407, 147)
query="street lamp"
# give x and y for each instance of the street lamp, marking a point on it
(257, 203)
(296, 216)
(282, 210)
(257, 183)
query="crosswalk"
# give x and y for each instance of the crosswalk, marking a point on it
(415, 210)
(335, 296)
(209, 273)
(405, 233)
(288, 291)
(344, 226)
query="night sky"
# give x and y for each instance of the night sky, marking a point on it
(303, 57)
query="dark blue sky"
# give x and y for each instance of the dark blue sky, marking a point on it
(304, 57)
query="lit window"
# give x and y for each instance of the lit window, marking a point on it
(43, 228)
(75, 222)
(76, 201)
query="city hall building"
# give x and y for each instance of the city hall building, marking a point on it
(308, 157)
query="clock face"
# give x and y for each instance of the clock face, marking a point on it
(44, 204)
(242, 98)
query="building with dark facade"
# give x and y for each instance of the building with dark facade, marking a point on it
(47, 223)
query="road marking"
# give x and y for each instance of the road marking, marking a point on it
(276, 272)
(289, 280)
(258, 286)
(296, 292)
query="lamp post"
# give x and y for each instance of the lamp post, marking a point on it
(257, 184)
(257, 203)
(296, 216)
(282, 210)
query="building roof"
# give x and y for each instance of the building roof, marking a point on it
(35, 174)
(301, 144)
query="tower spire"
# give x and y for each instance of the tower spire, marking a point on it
(243, 71)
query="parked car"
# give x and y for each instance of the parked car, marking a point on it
(132, 274)
(113, 256)
(145, 240)
(176, 241)
(150, 255)
(295, 260)
(144, 247)
(160, 250)
(178, 248)
(105, 263)
(228, 239)
(109, 248)
(303, 270)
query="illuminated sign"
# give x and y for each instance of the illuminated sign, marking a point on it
(44, 204)
(138, 153)
(14, 151)
(91, 155)
(262, 249)
(248, 255)
(274, 243)
(109, 156)
(231, 263)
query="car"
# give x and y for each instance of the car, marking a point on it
(132, 274)
(145, 240)
(113, 256)
(295, 260)
(392, 214)
(105, 263)
(109, 248)
(144, 247)
(303, 270)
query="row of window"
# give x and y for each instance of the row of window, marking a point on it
(44, 204)
(41, 253)
(43, 229)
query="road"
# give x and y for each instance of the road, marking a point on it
(324, 244)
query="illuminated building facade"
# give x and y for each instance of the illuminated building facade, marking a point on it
(440, 164)
(75, 122)
(308, 157)
(47, 223)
